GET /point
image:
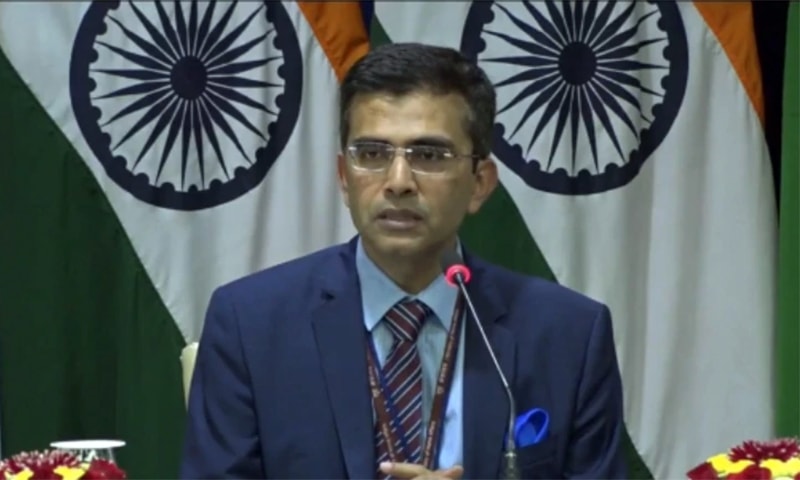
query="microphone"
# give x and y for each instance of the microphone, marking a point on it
(458, 275)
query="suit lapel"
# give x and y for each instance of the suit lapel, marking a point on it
(340, 336)
(485, 415)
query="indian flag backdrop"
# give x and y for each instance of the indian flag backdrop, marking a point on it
(634, 168)
(151, 152)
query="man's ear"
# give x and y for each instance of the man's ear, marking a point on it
(485, 183)
(341, 175)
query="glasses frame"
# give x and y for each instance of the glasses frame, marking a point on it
(393, 149)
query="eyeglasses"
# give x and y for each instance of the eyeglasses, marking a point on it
(425, 159)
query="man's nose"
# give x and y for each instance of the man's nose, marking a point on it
(400, 179)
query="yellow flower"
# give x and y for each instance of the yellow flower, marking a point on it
(779, 468)
(23, 475)
(69, 473)
(724, 466)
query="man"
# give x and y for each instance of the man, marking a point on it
(328, 366)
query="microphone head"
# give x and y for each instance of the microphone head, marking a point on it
(454, 270)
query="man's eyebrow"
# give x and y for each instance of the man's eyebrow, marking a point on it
(434, 141)
(428, 140)
(370, 140)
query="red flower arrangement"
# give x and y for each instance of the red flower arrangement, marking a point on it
(775, 459)
(57, 465)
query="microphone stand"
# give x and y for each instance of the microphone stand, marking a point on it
(510, 470)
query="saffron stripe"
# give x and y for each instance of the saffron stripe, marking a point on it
(339, 28)
(732, 24)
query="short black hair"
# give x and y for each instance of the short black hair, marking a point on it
(403, 68)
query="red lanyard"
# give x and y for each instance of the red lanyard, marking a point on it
(381, 399)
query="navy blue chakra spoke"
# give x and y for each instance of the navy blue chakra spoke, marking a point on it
(186, 104)
(586, 90)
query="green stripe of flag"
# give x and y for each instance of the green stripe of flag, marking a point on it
(788, 326)
(87, 349)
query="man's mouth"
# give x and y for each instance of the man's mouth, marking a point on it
(399, 219)
(400, 215)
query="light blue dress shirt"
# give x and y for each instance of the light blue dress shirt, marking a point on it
(379, 293)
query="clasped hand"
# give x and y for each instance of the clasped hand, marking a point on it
(418, 472)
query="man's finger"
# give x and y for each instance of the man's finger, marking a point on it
(455, 472)
(403, 470)
(412, 470)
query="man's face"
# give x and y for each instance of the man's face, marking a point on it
(400, 212)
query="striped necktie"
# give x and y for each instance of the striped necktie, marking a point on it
(402, 372)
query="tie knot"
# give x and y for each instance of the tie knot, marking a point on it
(405, 319)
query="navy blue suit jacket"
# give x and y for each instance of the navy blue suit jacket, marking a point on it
(280, 387)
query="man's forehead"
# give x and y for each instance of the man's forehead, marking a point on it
(414, 115)
(423, 96)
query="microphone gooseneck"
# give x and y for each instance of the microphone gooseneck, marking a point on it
(458, 275)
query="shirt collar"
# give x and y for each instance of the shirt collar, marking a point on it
(379, 293)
